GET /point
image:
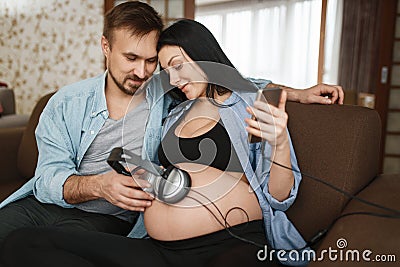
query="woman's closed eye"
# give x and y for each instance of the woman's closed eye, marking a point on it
(178, 66)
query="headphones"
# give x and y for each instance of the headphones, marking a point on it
(170, 185)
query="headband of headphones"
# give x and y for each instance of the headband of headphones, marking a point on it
(170, 185)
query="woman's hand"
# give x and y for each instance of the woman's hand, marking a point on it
(271, 122)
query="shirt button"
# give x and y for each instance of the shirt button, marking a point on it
(94, 113)
(91, 132)
(78, 158)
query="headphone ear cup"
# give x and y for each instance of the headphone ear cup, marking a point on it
(174, 186)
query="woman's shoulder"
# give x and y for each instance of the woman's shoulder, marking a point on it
(240, 99)
(176, 113)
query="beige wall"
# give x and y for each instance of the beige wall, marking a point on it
(46, 44)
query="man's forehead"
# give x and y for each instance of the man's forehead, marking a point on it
(135, 43)
(122, 34)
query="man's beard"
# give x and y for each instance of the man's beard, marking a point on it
(132, 89)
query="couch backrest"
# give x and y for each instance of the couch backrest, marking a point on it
(28, 152)
(339, 144)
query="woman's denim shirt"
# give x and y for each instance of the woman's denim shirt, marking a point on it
(255, 161)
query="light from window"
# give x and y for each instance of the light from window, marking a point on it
(276, 40)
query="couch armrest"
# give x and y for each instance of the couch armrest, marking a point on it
(10, 139)
(365, 232)
(338, 143)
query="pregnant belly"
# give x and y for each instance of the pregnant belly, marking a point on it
(218, 191)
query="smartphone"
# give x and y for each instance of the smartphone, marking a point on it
(270, 96)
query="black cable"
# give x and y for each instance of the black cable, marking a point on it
(316, 238)
(212, 213)
(338, 189)
(225, 218)
(323, 232)
(310, 243)
(317, 179)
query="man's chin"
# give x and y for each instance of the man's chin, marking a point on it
(131, 89)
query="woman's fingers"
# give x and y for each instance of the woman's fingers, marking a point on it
(266, 113)
(270, 122)
(282, 101)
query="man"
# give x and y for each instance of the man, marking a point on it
(73, 186)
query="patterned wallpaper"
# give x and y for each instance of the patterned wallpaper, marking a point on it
(46, 44)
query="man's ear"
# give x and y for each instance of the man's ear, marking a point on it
(105, 46)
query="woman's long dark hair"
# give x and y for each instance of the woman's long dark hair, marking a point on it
(202, 47)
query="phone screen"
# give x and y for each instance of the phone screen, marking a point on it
(270, 96)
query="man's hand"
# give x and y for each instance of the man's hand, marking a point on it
(120, 190)
(125, 192)
(320, 93)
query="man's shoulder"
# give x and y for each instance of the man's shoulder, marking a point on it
(72, 94)
(82, 87)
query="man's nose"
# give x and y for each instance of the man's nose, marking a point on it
(140, 69)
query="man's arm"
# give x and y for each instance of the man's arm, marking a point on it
(320, 93)
(57, 180)
(120, 190)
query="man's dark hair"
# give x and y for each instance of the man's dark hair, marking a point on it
(136, 17)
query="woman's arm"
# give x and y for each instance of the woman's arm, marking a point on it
(271, 126)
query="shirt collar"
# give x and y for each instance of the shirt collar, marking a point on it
(247, 97)
(99, 103)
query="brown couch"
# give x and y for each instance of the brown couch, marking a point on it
(19, 152)
(8, 116)
(339, 144)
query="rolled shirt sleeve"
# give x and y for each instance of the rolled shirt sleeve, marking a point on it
(56, 161)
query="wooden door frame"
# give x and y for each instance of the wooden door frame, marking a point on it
(388, 12)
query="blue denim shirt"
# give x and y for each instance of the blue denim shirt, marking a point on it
(254, 158)
(68, 125)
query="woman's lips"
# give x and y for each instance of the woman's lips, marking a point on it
(182, 87)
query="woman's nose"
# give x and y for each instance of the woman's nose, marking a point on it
(173, 78)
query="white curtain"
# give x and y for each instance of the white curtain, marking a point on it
(276, 40)
(334, 16)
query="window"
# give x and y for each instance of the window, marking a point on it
(277, 40)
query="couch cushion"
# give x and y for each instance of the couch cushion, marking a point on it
(339, 144)
(13, 120)
(362, 232)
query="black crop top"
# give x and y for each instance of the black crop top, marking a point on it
(212, 148)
